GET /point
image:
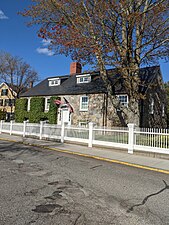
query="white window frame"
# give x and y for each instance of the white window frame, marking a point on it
(83, 124)
(123, 103)
(151, 106)
(29, 104)
(163, 110)
(81, 103)
(46, 103)
(54, 81)
(83, 78)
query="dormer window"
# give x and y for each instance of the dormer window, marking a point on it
(85, 78)
(54, 81)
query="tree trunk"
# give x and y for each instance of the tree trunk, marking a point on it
(133, 112)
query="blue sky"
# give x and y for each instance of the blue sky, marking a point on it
(20, 40)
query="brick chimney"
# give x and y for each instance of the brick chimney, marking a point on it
(75, 67)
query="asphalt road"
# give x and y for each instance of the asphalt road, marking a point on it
(42, 187)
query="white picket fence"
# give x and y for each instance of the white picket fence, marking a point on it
(131, 137)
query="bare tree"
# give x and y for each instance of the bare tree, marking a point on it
(124, 34)
(16, 73)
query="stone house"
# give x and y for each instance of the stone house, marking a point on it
(87, 95)
(7, 100)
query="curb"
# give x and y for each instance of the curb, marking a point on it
(92, 157)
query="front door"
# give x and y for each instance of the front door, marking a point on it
(65, 115)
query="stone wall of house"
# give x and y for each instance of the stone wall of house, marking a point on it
(96, 111)
(156, 118)
(97, 114)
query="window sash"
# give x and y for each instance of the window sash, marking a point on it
(123, 100)
(47, 104)
(29, 103)
(163, 110)
(84, 102)
(151, 106)
(54, 82)
(83, 124)
(4, 92)
(7, 102)
(83, 79)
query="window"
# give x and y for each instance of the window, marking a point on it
(123, 99)
(83, 124)
(4, 92)
(84, 100)
(83, 79)
(28, 106)
(1, 102)
(163, 110)
(7, 102)
(151, 107)
(13, 102)
(54, 82)
(47, 103)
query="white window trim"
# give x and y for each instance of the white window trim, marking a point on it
(54, 79)
(151, 106)
(83, 123)
(83, 76)
(163, 110)
(46, 103)
(127, 100)
(81, 109)
(29, 104)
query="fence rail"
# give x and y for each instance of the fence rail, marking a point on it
(131, 137)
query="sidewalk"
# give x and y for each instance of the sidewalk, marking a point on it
(149, 163)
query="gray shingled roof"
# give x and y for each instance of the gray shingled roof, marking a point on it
(69, 85)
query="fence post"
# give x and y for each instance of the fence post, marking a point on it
(1, 126)
(41, 129)
(62, 132)
(131, 138)
(24, 128)
(10, 132)
(90, 135)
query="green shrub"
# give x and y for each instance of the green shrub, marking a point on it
(37, 104)
(2, 115)
(36, 113)
(21, 110)
(36, 109)
(53, 110)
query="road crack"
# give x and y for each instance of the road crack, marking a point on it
(149, 196)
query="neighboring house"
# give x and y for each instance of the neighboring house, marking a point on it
(87, 95)
(7, 100)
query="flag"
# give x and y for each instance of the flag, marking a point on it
(69, 106)
(58, 102)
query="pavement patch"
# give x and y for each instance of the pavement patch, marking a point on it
(55, 195)
(47, 208)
